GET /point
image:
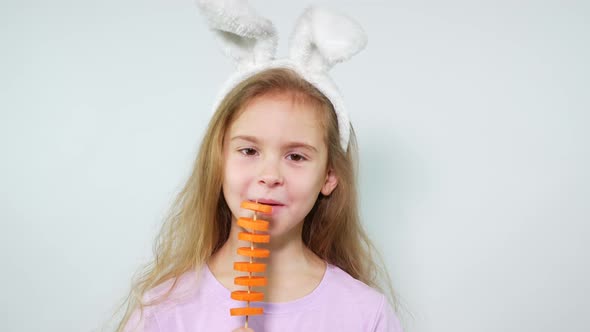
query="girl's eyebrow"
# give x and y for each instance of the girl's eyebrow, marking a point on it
(246, 138)
(288, 145)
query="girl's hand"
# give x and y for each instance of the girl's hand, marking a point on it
(243, 329)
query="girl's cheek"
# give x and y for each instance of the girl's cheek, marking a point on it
(243, 164)
(240, 167)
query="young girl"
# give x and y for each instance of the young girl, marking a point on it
(280, 137)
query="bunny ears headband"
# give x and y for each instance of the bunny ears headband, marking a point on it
(320, 40)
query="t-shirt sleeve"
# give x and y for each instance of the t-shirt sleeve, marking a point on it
(139, 322)
(387, 320)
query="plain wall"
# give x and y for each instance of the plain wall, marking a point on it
(472, 119)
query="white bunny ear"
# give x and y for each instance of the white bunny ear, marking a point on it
(247, 37)
(323, 38)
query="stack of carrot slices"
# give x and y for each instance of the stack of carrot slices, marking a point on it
(253, 225)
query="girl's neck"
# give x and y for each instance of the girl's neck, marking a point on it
(287, 253)
(290, 261)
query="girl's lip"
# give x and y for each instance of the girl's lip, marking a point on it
(268, 202)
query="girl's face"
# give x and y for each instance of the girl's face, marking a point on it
(274, 152)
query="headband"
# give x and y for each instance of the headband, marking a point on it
(321, 38)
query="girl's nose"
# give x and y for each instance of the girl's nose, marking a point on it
(270, 180)
(270, 176)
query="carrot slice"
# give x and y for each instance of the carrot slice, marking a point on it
(252, 237)
(247, 311)
(249, 267)
(253, 252)
(262, 208)
(257, 225)
(242, 295)
(250, 281)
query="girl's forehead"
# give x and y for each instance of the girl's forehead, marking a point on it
(280, 121)
(280, 118)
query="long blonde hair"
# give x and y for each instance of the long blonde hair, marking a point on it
(199, 221)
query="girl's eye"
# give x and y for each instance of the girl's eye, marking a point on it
(248, 151)
(296, 157)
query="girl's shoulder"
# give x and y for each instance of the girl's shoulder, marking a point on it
(341, 283)
(174, 290)
(354, 298)
(162, 298)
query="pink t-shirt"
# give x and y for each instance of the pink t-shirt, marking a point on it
(200, 303)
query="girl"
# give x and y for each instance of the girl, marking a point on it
(280, 137)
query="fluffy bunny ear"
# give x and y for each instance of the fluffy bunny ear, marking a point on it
(323, 38)
(247, 37)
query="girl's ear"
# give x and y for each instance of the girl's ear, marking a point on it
(330, 183)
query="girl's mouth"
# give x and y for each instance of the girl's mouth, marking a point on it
(270, 202)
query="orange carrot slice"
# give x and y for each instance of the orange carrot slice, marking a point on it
(249, 267)
(252, 237)
(247, 296)
(248, 311)
(253, 252)
(257, 225)
(262, 208)
(250, 281)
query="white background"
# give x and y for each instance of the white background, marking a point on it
(472, 119)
